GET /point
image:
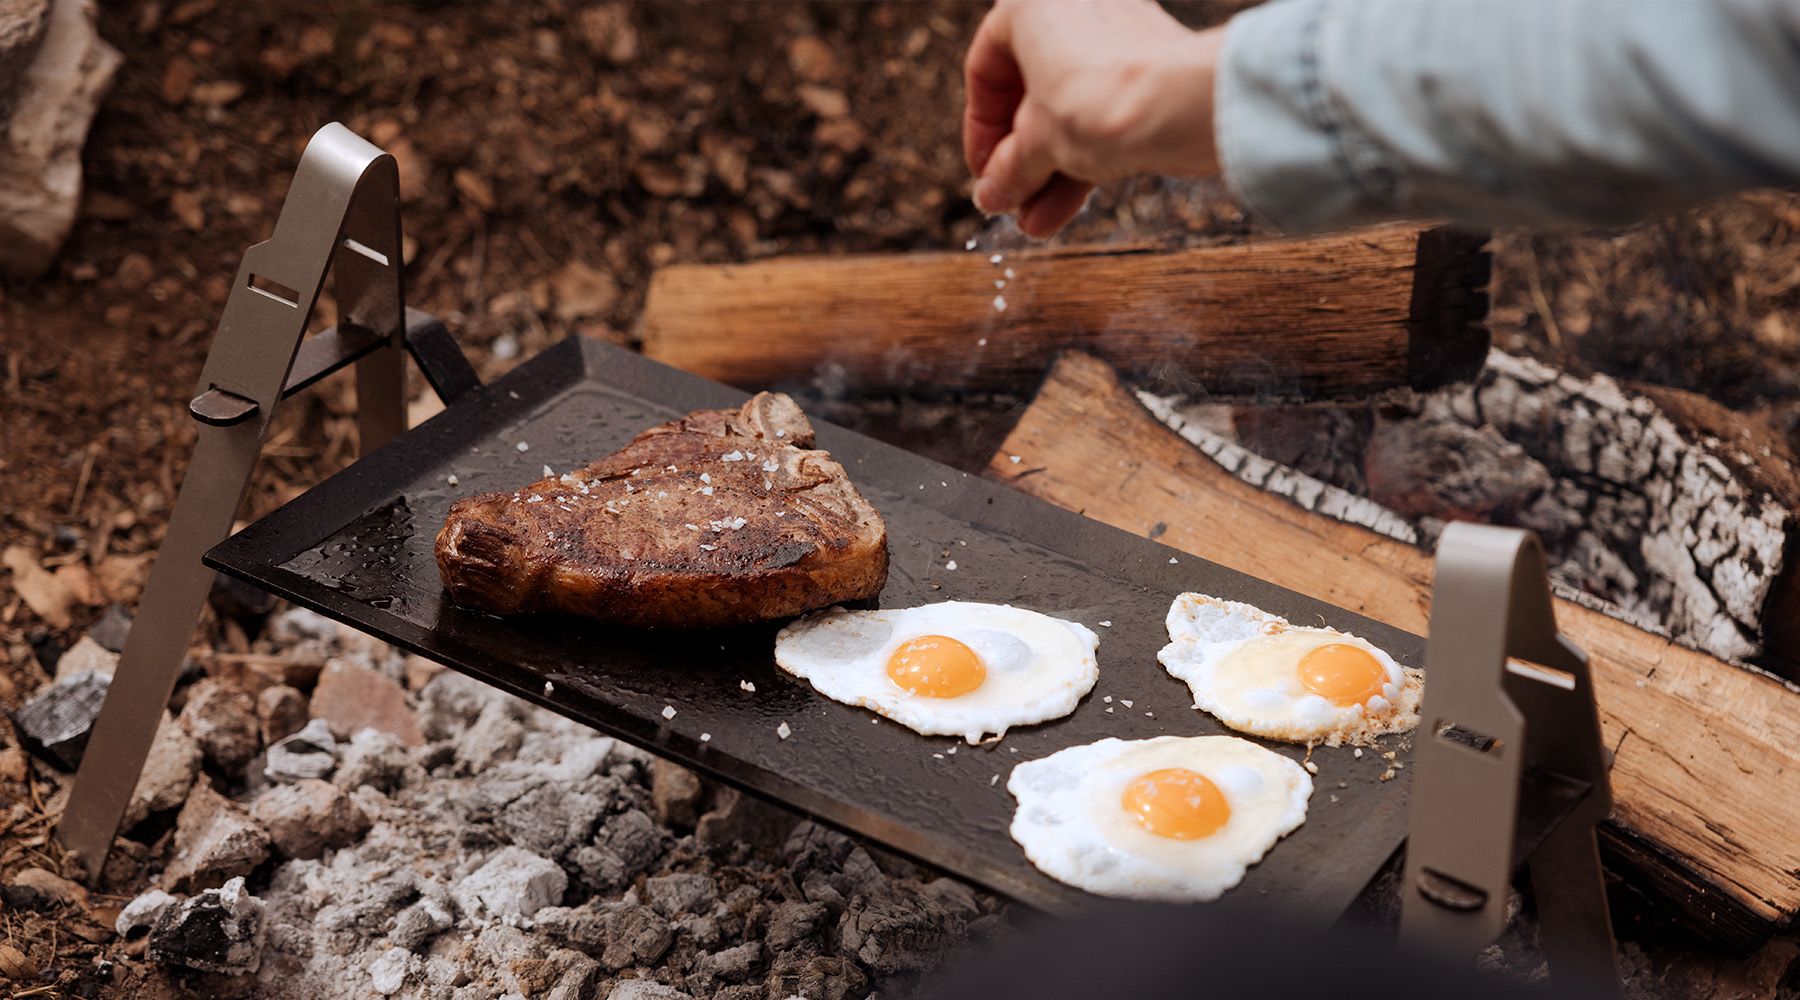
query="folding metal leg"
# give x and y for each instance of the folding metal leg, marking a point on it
(343, 207)
(1505, 692)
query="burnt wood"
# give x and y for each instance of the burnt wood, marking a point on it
(358, 548)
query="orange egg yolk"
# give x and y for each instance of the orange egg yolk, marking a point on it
(1177, 803)
(935, 666)
(1342, 674)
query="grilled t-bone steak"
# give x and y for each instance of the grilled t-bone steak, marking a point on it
(720, 518)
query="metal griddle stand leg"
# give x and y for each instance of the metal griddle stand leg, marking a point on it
(342, 210)
(1508, 713)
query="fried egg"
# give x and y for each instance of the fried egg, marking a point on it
(950, 669)
(1175, 818)
(1259, 674)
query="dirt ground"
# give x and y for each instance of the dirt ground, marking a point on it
(552, 156)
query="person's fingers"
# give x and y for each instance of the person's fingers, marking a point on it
(1047, 212)
(993, 87)
(1020, 166)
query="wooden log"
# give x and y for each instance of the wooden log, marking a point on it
(1705, 753)
(1332, 317)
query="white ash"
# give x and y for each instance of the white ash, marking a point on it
(518, 853)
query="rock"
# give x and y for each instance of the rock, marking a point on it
(280, 713)
(419, 671)
(738, 817)
(222, 719)
(682, 894)
(551, 819)
(55, 723)
(953, 895)
(629, 844)
(142, 913)
(635, 935)
(40, 149)
(415, 926)
(50, 886)
(307, 817)
(350, 697)
(580, 981)
(22, 24)
(388, 972)
(112, 628)
(674, 792)
(817, 977)
(373, 758)
(899, 929)
(215, 840)
(645, 989)
(221, 930)
(169, 771)
(496, 733)
(793, 922)
(86, 656)
(514, 882)
(733, 965)
(309, 753)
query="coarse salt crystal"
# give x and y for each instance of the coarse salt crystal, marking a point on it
(1106, 623)
(1311, 768)
(706, 491)
(969, 245)
(1015, 459)
(668, 711)
(708, 548)
(736, 523)
(981, 343)
(451, 479)
(1107, 699)
(999, 303)
(662, 494)
(549, 473)
(1357, 753)
(706, 737)
(952, 749)
(950, 565)
(993, 781)
(691, 527)
(784, 731)
(770, 465)
(522, 446)
(999, 283)
(1009, 274)
(549, 688)
(1109, 710)
(746, 686)
(995, 259)
(1125, 701)
(1171, 560)
(706, 477)
(732, 456)
(939, 756)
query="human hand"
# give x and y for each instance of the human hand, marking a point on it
(1066, 94)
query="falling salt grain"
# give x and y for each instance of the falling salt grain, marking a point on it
(953, 748)
(981, 343)
(522, 446)
(746, 686)
(784, 731)
(668, 711)
(1000, 303)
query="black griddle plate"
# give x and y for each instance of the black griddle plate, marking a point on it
(358, 548)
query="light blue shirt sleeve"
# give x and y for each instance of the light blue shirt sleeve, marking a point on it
(1335, 113)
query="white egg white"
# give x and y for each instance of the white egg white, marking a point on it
(1038, 667)
(1073, 825)
(1241, 663)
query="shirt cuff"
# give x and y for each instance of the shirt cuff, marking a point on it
(1286, 154)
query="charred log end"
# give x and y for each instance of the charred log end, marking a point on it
(1447, 335)
(1650, 876)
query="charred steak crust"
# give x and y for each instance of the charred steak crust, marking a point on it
(722, 517)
